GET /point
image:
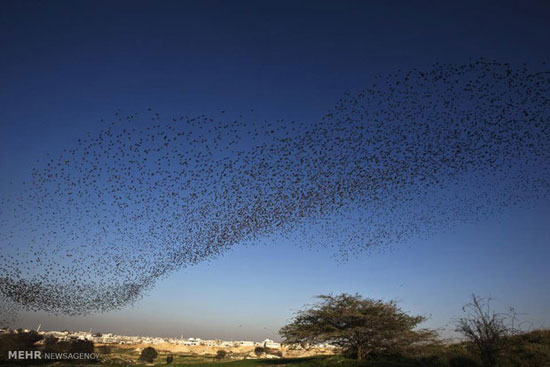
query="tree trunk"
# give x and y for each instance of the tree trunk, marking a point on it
(362, 352)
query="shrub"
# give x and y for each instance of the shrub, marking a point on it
(221, 354)
(530, 349)
(148, 354)
(486, 330)
(169, 359)
(259, 351)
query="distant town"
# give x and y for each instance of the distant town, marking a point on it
(108, 338)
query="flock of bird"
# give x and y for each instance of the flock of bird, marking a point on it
(144, 195)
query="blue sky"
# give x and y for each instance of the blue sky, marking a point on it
(65, 65)
(251, 291)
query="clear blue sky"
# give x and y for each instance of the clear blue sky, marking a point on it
(65, 65)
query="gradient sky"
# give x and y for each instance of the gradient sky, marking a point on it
(65, 65)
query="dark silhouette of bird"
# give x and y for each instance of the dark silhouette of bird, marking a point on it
(97, 225)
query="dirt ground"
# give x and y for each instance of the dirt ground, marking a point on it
(204, 350)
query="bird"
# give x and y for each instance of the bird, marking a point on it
(95, 227)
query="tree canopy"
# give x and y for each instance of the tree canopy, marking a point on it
(363, 327)
(148, 354)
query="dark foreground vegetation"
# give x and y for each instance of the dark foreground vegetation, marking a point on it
(375, 331)
(529, 349)
(32, 342)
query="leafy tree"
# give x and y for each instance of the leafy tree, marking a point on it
(363, 327)
(486, 329)
(148, 354)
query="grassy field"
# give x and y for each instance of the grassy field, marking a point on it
(322, 361)
(199, 361)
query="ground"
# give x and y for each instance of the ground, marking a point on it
(205, 356)
(201, 361)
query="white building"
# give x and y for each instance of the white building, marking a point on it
(271, 344)
(244, 343)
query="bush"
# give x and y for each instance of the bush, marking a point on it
(531, 349)
(259, 351)
(148, 354)
(221, 354)
(169, 359)
(486, 330)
